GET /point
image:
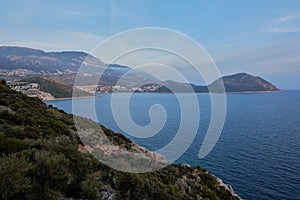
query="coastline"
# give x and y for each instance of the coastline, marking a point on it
(96, 96)
(254, 92)
(243, 92)
(228, 187)
(71, 98)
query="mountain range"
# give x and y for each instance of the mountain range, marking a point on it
(19, 62)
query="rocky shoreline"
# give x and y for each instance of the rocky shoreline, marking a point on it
(228, 187)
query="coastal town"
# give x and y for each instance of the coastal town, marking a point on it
(34, 89)
(29, 89)
(119, 88)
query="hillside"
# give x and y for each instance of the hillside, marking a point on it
(20, 62)
(42, 157)
(243, 82)
(41, 62)
(177, 87)
(56, 89)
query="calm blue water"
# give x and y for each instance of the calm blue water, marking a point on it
(258, 152)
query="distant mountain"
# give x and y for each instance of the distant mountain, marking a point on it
(177, 87)
(243, 82)
(14, 58)
(20, 62)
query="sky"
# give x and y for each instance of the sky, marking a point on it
(260, 37)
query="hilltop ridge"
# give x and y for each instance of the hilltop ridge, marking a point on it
(243, 82)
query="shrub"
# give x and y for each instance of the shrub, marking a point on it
(13, 177)
(12, 145)
(89, 189)
(50, 175)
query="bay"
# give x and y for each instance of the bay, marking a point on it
(258, 152)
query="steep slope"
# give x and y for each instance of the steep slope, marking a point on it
(40, 159)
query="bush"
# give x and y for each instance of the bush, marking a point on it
(50, 176)
(13, 171)
(12, 145)
(89, 189)
(208, 193)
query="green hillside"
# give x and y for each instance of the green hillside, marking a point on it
(40, 160)
(56, 89)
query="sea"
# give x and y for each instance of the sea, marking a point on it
(258, 152)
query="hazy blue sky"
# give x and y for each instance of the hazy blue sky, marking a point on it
(261, 37)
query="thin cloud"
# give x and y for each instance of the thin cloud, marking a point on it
(77, 41)
(283, 30)
(286, 24)
(287, 18)
(38, 44)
